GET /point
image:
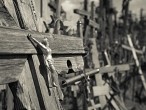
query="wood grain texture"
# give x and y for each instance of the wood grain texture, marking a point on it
(15, 41)
(24, 92)
(27, 14)
(48, 97)
(20, 93)
(84, 13)
(6, 18)
(10, 7)
(60, 63)
(30, 87)
(10, 68)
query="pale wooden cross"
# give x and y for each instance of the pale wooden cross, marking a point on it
(134, 52)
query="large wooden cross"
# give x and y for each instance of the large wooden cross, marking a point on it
(22, 67)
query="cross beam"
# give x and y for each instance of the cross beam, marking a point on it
(123, 67)
(82, 12)
(93, 24)
(102, 70)
(15, 41)
(130, 49)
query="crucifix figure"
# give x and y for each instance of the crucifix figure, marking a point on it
(49, 62)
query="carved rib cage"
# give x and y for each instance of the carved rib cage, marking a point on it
(23, 70)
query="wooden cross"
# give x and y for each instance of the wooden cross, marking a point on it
(137, 61)
(112, 74)
(88, 22)
(102, 90)
(58, 10)
(22, 66)
(91, 23)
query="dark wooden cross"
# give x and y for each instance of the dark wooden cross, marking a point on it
(58, 11)
(90, 24)
(89, 21)
(22, 67)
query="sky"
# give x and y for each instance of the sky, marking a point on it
(70, 5)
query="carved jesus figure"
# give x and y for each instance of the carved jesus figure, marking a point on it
(49, 62)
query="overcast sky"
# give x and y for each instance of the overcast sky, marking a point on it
(69, 5)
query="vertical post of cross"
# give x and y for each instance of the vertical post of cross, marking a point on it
(102, 17)
(41, 8)
(110, 21)
(93, 18)
(58, 10)
(85, 17)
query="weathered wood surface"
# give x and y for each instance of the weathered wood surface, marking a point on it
(123, 67)
(11, 9)
(102, 98)
(10, 68)
(95, 53)
(46, 92)
(5, 18)
(24, 92)
(27, 13)
(14, 41)
(60, 63)
(30, 88)
(101, 90)
(99, 82)
(42, 11)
